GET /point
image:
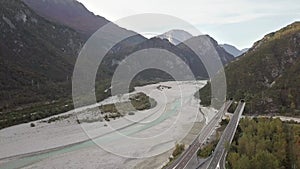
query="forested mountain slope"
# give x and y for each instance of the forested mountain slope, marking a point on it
(268, 75)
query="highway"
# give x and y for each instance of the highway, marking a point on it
(205, 133)
(218, 159)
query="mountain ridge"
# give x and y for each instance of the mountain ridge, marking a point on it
(233, 50)
(38, 58)
(267, 76)
(70, 13)
(176, 36)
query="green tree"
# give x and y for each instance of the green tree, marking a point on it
(264, 159)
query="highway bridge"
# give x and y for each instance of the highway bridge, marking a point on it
(218, 158)
(205, 133)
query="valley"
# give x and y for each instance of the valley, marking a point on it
(65, 138)
(227, 97)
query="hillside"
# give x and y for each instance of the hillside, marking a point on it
(233, 50)
(37, 59)
(265, 143)
(208, 49)
(70, 13)
(37, 56)
(267, 76)
(75, 15)
(182, 51)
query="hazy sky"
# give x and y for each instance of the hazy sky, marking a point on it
(237, 22)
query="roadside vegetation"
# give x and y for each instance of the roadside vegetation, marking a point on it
(179, 149)
(262, 143)
(208, 149)
(232, 107)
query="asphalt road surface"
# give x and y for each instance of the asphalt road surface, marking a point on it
(219, 155)
(205, 133)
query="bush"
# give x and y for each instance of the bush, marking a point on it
(32, 125)
(131, 113)
(178, 150)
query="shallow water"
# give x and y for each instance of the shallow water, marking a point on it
(26, 161)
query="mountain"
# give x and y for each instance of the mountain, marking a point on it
(268, 75)
(70, 13)
(244, 50)
(75, 15)
(181, 50)
(38, 55)
(37, 59)
(233, 50)
(176, 36)
(191, 60)
(207, 46)
(112, 60)
(62, 11)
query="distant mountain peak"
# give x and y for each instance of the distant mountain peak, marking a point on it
(233, 50)
(176, 36)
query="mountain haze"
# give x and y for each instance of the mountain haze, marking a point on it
(233, 50)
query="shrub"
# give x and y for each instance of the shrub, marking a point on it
(32, 125)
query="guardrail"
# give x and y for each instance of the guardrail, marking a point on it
(196, 140)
